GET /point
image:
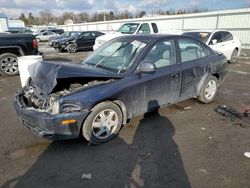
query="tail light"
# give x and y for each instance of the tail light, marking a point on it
(35, 43)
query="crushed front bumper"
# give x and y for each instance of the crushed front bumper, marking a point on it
(47, 125)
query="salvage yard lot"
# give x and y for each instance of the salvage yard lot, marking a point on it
(184, 145)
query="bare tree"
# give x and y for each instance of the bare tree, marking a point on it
(46, 17)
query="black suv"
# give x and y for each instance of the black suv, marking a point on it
(12, 46)
(84, 40)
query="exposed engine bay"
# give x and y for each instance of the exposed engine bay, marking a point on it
(35, 98)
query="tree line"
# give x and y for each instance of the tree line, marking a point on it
(46, 17)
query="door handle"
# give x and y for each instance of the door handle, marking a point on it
(176, 75)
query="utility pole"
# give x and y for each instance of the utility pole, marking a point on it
(104, 16)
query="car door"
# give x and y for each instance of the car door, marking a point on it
(84, 40)
(195, 65)
(218, 44)
(49, 34)
(43, 36)
(144, 29)
(160, 87)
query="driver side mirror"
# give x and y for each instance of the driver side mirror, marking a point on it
(214, 41)
(147, 67)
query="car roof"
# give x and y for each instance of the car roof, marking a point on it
(151, 36)
(204, 30)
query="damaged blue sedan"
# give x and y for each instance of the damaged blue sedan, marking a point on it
(127, 76)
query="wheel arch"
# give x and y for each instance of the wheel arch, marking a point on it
(119, 103)
(12, 49)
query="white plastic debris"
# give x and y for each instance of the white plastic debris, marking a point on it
(86, 176)
(247, 154)
(203, 128)
(23, 63)
(187, 108)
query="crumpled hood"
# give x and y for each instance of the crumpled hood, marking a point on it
(45, 74)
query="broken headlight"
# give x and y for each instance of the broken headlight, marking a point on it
(69, 108)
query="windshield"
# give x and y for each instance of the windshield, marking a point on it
(203, 36)
(116, 56)
(128, 28)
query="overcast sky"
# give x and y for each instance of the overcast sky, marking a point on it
(13, 8)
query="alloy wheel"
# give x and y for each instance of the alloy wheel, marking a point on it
(210, 89)
(9, 65)
(105, 123)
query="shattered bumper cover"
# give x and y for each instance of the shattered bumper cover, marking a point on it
(47, 125)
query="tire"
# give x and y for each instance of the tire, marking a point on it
(103, 123)
(71, 48)
(234, 56)
(8, 64)
(209, 90)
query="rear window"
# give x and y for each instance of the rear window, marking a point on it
(203, 36)
(155, 28)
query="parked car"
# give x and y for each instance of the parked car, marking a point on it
(44, 36)
(84, 40)
(20, 30)
(65, 35)
(221, 41)
(125, 77)
(54, 30)
(128, 29)
(11, 47)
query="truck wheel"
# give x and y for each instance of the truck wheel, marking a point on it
(208, 90)
(71, 48)
(234, 56)
(103, 123)
(8, 64)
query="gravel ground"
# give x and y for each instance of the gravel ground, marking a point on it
(174, 147)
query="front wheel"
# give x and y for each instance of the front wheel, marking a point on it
(208, 90)
(103, 123)
(71, 48)
(8, 64)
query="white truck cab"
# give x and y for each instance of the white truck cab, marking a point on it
(128, 29)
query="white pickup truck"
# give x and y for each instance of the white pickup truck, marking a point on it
(129, 29)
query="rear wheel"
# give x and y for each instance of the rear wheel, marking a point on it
(234, 56)
(103, 123)
(208, 90)
(8, 64)
(71, 48)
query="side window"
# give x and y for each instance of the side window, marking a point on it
(190, 50)
(162, 54)
(217, 36)
(85, 35)
(155, 28)
(226, 36)
(50, 33)
(144, 29)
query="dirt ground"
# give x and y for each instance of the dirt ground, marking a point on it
(174, 147)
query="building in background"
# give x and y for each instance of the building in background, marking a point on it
(3, 22)
(68, 22)
(16, 24)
